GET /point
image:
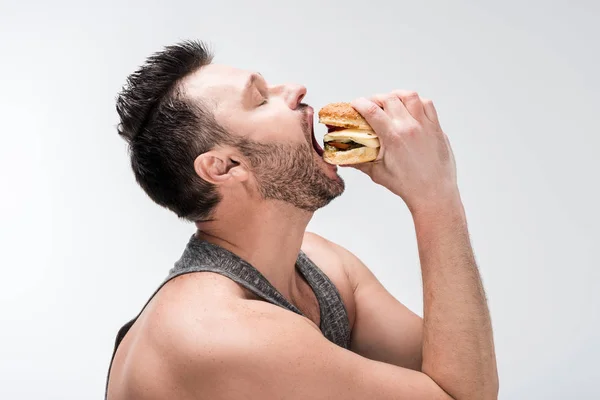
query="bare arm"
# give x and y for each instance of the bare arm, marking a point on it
(416, 163)
(458, 348)
(384, 329)
(456, 315)
(282, 356)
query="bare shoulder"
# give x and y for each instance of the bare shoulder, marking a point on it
(324, 251)
(190, 315)
(198, 340)
(345, 260)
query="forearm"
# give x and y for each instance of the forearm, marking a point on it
(458, 348)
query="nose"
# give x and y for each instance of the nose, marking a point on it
(293, 94)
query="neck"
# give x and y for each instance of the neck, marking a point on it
(268, 238)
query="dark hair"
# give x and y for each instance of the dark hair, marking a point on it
(166, 130)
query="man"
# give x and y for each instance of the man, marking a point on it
(257, 308)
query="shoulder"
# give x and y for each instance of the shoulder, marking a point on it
(317, 246)
(179, 338)
(187, 318)
(341, 260)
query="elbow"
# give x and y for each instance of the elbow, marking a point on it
(488, 391)
(484, 391)
(481, 385)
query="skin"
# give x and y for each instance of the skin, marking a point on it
(205, 337)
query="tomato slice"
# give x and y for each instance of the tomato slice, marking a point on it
(339, 145)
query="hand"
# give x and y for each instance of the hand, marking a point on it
(415, 160)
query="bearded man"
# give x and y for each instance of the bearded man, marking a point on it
(258, 308)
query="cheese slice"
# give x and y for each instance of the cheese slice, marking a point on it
(365, 137)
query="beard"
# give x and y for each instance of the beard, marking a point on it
(289, 172)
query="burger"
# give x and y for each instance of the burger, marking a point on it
(349, 139)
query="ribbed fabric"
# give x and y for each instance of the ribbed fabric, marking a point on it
(201, 256)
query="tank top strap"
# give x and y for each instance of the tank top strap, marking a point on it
(201, 255)
(335, 323)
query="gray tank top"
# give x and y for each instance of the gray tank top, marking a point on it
(200, 255)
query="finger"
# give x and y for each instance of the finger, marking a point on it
(392, 105)
(373, 114)
(430, 110)
(412, 102)
(378, 99)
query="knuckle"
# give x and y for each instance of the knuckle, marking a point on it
(378, 98)
(371, 110)
(390, 98)
(393, 137)
(411, 95)
(411, 129)
(407, 95)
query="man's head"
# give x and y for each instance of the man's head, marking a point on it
(199, 131)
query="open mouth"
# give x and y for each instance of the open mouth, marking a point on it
(315, 144)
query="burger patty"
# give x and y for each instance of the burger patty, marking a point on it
(341, 146)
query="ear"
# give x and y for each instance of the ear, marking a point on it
(218, 167)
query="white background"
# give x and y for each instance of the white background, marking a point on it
(516, 87)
